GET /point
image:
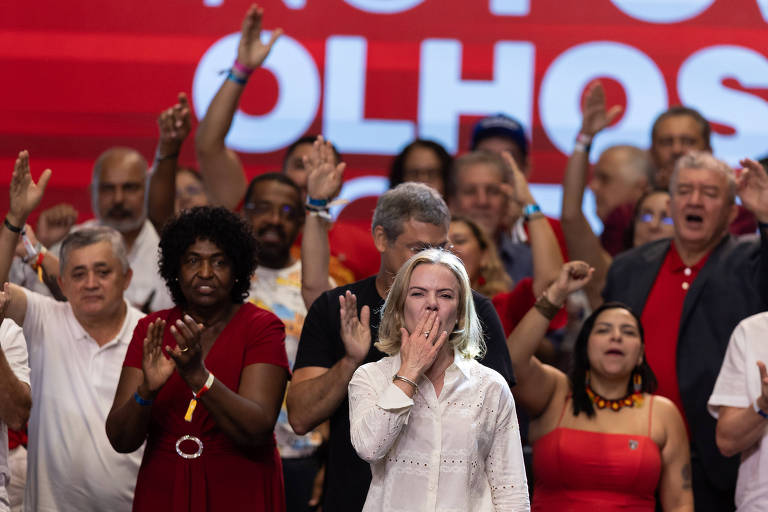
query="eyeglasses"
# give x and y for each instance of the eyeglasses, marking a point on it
(647, 218)
(285, 211)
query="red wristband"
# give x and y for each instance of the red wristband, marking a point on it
(205, 388)
(242, 69)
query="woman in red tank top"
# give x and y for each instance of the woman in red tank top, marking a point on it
(601, 440)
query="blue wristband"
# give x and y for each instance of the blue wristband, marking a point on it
(141, 401)
(759, 411)
(236, 79)
(320, 203)
(529, 210)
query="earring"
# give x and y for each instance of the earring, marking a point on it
(637, 380)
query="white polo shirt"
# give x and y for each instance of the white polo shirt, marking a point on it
(738, 385)
(15, 350)
(71, 465)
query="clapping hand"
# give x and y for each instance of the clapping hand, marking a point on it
(251, 52)
(419, 349)
(188, 352)
(157, 367)
(355, 332)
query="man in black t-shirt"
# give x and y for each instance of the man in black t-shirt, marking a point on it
(407, 219)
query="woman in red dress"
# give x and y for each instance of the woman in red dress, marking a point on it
(601, 440)
(202, 383)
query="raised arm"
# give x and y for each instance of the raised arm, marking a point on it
(536, 382)
(220, 167)
(752, 186)
(547, 257)
(174, 125)
(316, 392)
(25, 196)
(323, 184)
(582, 242)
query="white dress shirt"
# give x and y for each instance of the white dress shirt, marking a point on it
(71, 465)
(457, 452)
(738, 385)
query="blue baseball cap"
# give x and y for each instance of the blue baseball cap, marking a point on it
(499, 125)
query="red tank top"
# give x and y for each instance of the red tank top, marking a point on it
(579, 470)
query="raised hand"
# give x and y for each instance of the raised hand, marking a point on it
(174, 124)
(355, 332)
(752, 186)
(251, 52)
(55, 222)
(518, 193)
(157, 368)
(573, 276)
(25, 194)
(419, 349)
(595, 116)
(324, 175)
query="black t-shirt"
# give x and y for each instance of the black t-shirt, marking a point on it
(347, 476)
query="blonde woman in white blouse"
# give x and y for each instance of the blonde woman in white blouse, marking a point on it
(438, 428)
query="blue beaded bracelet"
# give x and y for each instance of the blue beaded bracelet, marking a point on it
(141, 401)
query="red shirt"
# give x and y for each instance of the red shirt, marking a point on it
(661, 321)
(512, 306)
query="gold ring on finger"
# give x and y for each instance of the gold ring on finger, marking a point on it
(426, 334)
(185, 349)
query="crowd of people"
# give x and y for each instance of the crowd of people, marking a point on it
(210, 343)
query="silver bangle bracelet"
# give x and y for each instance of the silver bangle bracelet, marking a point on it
(406, 380)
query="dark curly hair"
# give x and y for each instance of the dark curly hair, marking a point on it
(581, 401)
(219, 226)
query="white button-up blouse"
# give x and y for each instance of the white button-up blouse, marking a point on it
(457, 452)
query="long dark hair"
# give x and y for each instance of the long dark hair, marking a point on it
(578, 376)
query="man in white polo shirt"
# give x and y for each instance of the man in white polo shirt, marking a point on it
(76, 351)
(14, 392)
(739, 401)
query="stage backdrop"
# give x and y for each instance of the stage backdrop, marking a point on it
(81, 76)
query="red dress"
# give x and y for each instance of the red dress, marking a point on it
(224, 477)
(584, 471)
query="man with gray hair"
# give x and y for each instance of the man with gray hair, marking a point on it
(76, 351)
(691, 292)
(409, 218)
